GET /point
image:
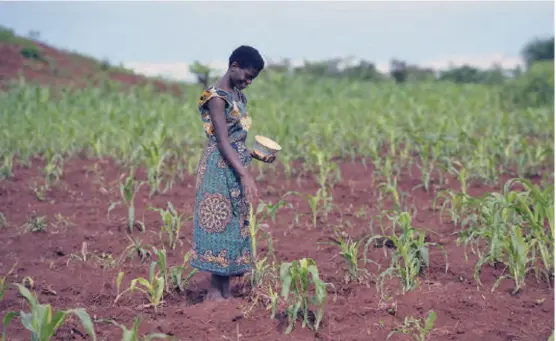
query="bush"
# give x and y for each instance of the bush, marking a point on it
(533, 89)
(31, 53)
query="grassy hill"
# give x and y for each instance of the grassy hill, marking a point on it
(36, 62)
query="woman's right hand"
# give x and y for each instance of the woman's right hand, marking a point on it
(250, 188)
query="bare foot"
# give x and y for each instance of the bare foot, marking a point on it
(214, 295)
(226, 291)
(220, 288)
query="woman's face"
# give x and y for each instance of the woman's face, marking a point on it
(242, 78)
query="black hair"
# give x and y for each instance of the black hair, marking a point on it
(247, 57)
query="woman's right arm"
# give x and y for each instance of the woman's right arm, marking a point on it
(218, 119)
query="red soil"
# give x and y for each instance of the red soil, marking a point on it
(464, 311)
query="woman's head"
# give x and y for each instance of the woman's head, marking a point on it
(244, 65)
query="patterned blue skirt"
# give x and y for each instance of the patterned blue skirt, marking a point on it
(221, 238)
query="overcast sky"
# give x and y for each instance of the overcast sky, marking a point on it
(164, 37)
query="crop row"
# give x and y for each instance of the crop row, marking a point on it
(432, 126)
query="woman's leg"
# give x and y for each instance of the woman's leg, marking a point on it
(215, 289)
(219, 287)
(226, 291)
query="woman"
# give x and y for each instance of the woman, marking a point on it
(225, 188)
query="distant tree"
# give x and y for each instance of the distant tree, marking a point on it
(105, 64)
(531, 89)
(279, 66)
(316, 68)
(420, 74)
(398, 70)
(538, 50)
(364, 71)
(202, 72)
(470, 74)
(34, 34)
(462, 74)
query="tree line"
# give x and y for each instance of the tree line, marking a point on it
(530, 86)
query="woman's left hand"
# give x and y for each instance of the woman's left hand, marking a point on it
(265, 159)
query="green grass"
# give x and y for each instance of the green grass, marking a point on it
(443, 124)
